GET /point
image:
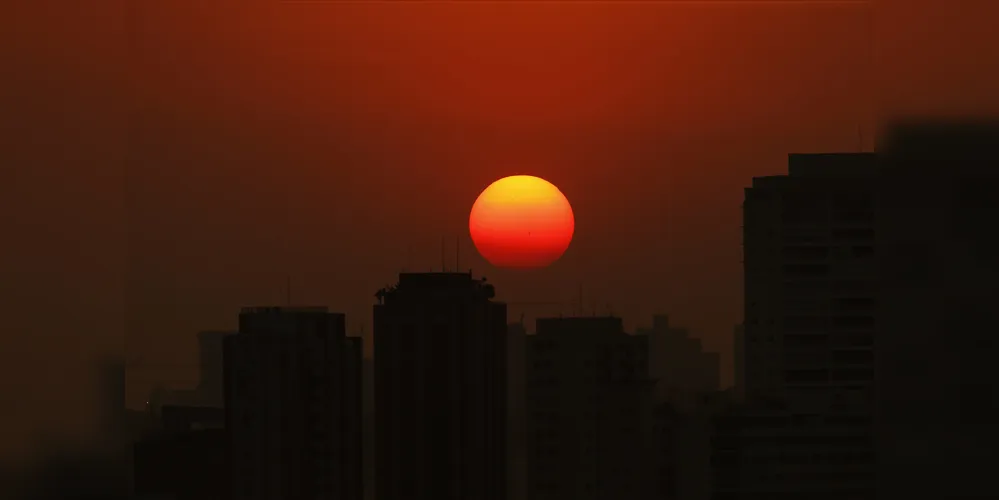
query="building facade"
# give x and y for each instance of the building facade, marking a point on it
(810, 282)
(589, 412)
(440, 389)
(292, 406)
(683, 371)
(807, 347)
(516, 410)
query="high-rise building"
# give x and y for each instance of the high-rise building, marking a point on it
(739, 362)
(292, 406)
(516, 410)
(810, 279)
(938, 253)
(352, 411)
(182, 462)
(808, 339)
(440, 389)
(683, 371)
(368, 429)
(870, 285)
(589, 404)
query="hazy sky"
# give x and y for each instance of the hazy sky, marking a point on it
(156, 185)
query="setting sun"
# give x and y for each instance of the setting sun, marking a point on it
(521, 221)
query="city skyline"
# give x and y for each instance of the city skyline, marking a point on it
(837, 254)
(173, 162)
(365, 159)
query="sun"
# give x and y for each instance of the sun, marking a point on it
(522, 222)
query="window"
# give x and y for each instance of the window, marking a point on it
(853, 207)
(853, 321)
(806, 252)
(804, 322)
(862, 251)
(852, 303)
(803, 208)
(853, 356)
(792, 340)
(806, 376)
(853, 374)
(810, 270)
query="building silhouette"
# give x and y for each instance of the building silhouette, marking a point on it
(776, 453)
(870, 292)
(185, 459)
(517, 410)
(293, 406)
(589, 404)
(683, 371)
(810, 280)
(684, 438)
(368, 428)
(665, 436)
(938, 252)
(739, 362)
(440, 389)
(808, 340)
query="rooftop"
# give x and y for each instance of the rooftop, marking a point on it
(436, 284)
(603, 324)
(285, 310)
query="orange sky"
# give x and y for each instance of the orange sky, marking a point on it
(322, 140)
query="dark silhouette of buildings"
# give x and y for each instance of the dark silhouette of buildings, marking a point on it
(517, 410)
(938, 253)
(352, 411)
(589, 403)
(293, 405)
(783, 454)
(185, 418)
(810, 273)
(440, 389)
(739, 362)
(186, 458)
(810, 276)
(863, 368)
(683, 371)
(686, 381)
(870, 292)
(684, 446)
(665, 436)
(368, 427)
